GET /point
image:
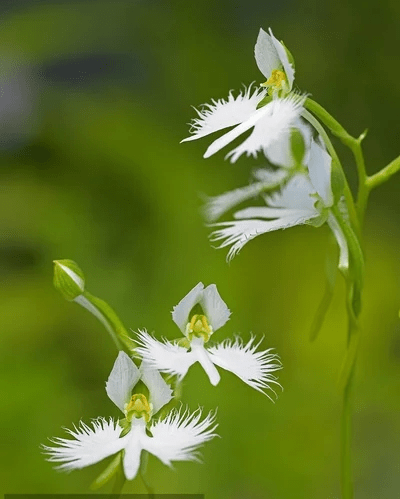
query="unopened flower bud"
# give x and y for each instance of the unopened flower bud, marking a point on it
(68, 279)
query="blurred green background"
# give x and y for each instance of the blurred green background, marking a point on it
(95, 97)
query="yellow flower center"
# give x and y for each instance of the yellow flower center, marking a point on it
(199, 326)
(138, 407)
(276, 81)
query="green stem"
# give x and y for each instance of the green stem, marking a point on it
(150, 490)
(384, 175)
(328, 120)
(354, 144)
(346, 467)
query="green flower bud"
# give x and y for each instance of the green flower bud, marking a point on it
(68, 279)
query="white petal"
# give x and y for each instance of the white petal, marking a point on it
(237, 233)
(160, 391)
(88, 446)
(272, 126)
(122, 379)
(254, 368)
(283, 57)
(342, 243)
(134, 444)
(271, 213)
(201, 355)
(179, 435)
(164, 356)
(218, 205)
(222, 113)
(319, 167)
(266, 55)
(237, 131)
(296, 194)
(214, 307)
(280, 151)
(180, 313)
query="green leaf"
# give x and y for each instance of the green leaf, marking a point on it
(330, 281)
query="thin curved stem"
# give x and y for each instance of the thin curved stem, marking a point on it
(118, 484)
(347, 484)
(384, 175)
(354, 144)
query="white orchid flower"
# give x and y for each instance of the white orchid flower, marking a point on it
(306, 198)
(198, 315)
(271, 123)
(175, 438)
(272, 59)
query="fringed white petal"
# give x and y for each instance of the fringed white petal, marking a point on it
(214, 307)
(266, 55)
(123, 377)
(222, 113)
(237, 233)
(218, 205)
(273, 126)
(252, 367)
(179, 435)
(164, 356)
(180, 313)
(159, 391)
(228, 137)
(319, 168)
(89, 445)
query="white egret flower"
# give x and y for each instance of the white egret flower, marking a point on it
(175, 438)
(306, 198)
(198, 315)
(271, 122)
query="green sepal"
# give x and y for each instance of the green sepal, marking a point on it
(263, 102)
(330, 281)
(337, 181)
(297, 146)
(68, 278)
(320, 220)
(108, 473)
